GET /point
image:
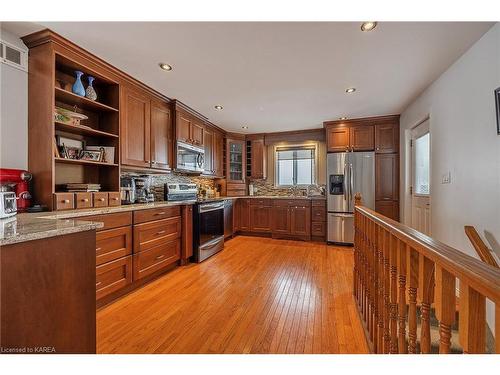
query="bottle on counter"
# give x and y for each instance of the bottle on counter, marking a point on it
(250, 189)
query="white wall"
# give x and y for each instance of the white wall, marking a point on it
(464, 141)
(13, 112)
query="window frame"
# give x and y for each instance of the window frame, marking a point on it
(287, 147)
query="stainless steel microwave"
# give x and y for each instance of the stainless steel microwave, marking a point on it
(190, 158)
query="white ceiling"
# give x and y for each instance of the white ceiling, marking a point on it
(281, 75)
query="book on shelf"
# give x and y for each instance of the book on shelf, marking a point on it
(79, 187)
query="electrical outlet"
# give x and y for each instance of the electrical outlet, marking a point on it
(446, 178)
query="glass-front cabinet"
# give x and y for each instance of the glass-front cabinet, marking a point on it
(235, 160)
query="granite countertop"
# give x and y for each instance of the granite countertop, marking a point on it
(34, 226)
(28, 227)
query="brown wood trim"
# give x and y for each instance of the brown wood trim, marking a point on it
(480, 247)
(479, 275)
(363, 121)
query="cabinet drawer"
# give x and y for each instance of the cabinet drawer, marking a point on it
(318, 202)
(119, 219)
(143, 216)
(114, 198)
(260, 202)
(100, 199)
(113, 276)
(112, 244)
(83, 200)
(318, 213)
(148, 235)
(64, 201)
(318, 229)
(151, 260)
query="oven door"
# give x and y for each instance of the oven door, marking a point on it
(211, 222)
(190, 158)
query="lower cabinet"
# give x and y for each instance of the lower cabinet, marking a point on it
(260, 215)
(155, 258)
(291, 218)
(228, 218)
(112, 276)
(244, 211)
(300, 220)
(280, 218)
(318, 220)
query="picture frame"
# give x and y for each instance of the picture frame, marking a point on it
(108, 153)
(72, 152)
(497, 108)
(70, 142)
(91, 155)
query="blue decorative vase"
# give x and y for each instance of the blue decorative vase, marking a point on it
(78, 88)
(90, 92)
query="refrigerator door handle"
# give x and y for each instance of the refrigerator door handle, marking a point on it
(344, 183)
(351, 184)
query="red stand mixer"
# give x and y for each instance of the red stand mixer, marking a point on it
(17, 180)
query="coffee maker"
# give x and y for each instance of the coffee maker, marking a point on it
(127, 189)
(14, 192)
(143, 193)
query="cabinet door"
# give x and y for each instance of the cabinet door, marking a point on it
(280, 219)
(236, 155)
(337, 139)
(362, 138)
(209, 151)
(260, 218)
(300, 220)
(218, 154)
(183, 127)
(386, 177)
(244, 215)
(135, 128)
(258, 167)
(197, 130)
(228, 218)
(161, 135)
(387, 138)
(388, 208)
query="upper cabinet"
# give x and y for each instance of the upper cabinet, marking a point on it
(213, 141)
(146, 130)
(219, 153)
(188, 127)
(256, 157)
(337, 138)
(135, 126)
(235, 159)
(387, 138)
(345, 137)
(361, 138)
(209, 151)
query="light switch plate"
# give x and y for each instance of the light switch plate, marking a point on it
(446, 178)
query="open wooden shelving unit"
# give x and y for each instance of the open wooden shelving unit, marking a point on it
(52, 64)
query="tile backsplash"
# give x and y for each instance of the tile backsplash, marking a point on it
(266, 187)
(158, 181)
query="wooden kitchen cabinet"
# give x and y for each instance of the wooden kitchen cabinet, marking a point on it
(146, 130)
(337, 139)
(260, 215)
(113, 276)
(135, 127)
(235, 161)
(258, 157)
(218, 150)
(112, 244)
(387, 177)
(361, 138)
(161, 135)
(187, 233)
(300, 220)
(155, 258)
(291, 218)
(209, 138)
(280, 219)
(188, 127)
(244, 208)
(387, 138)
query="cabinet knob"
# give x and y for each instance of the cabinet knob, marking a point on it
(101, 199)
(65, 201)
(115, 198)
(378, 148)
(85, 200)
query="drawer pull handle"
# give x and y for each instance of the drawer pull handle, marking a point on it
(160, 232)
(115, 198)
(159, 213)
(65, 201)
(101, 199)
(99, 283)
(159, 257)
(98, 249)
(85, 200)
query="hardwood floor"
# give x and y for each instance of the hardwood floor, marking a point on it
(259, 295)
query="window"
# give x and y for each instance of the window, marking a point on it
(295, 165)
(422, 153)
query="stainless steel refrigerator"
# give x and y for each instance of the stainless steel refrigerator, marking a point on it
(348, 173)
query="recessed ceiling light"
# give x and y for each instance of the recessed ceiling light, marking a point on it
(350, 90)
(219, 107)
(165, 66)
(368, 26)
(343, 118)
(244, 127)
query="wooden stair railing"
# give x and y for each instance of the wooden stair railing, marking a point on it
(481, 248)
(398, 269)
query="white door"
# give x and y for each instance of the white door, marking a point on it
(420, 187)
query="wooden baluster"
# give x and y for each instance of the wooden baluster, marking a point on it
(375, 231)
(426, 290)
(356, 251)
(373, 291)
(402, 251)
(365, 280)
(472, 320)
(497, 328)
(445, 307)
(368, 278)
(412, 257)
(387, 289)
(394, 242)
(380, 277)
